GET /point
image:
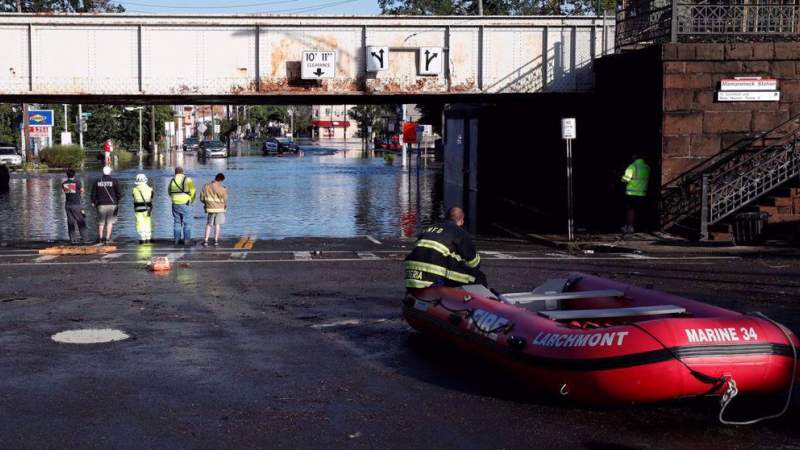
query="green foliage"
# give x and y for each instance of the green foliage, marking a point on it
(62, 156)
(263, 114)
(494, 7)
(34, 167)
(302, 120)
(68, 6)
(369, 115)
(10, 118)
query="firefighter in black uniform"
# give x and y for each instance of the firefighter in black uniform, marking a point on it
(444, 255)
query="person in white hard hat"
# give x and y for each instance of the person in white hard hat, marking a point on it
(143, 208)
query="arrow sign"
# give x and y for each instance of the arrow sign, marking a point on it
(430, 61)
(318, 65)
(377, 58)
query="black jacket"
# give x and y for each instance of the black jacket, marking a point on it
(443, 252)
(106, 191)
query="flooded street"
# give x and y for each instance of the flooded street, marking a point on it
(330, 190)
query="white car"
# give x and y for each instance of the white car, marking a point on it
(9, 154)
(214, 149)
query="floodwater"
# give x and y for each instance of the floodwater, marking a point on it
(326, 191)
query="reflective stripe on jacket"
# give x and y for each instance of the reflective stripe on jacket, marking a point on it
(215, 197)
(442, 253)
(142, 197)
(181, 190)
(637, 176)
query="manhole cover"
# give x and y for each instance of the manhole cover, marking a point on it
(89, 336)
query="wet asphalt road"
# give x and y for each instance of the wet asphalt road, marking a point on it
(281, 347)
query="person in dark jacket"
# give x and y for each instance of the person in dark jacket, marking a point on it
(5, 177)
(73, 205)
(444, 255)
(106, 194)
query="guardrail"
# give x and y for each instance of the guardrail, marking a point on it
(641, 23)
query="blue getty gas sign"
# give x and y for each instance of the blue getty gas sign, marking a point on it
(41, 117)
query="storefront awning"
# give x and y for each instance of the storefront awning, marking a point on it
(331, 123)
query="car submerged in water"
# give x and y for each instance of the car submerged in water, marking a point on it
(191, 145)
(279, 146)
(10, 155)
(213, 149)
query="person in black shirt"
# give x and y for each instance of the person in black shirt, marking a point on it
(73, 189)
(106, 194)
(444, 255)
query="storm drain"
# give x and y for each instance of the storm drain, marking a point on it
(89, 336)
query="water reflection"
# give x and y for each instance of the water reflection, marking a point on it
(324, 191)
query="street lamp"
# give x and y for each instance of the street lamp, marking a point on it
(139, 108)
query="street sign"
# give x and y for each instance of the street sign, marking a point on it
(39, 131)
(318, 65)
(748, 84)
(202, 128)
(377, 58)
(66, 138)
(568, 128)
(169, 128)
(87, 115)
(430, 60)
(750, 96)
(42, 117)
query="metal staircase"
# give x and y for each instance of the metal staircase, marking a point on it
(729, 181)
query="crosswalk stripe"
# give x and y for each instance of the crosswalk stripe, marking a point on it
(238, 255)
(302, 256)
(107, 258)
(373, 240)
(499, 255)
(45, 258)
(172, 257)
(367, 255)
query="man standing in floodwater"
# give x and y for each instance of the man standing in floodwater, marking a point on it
(182, 193)
(73, 206)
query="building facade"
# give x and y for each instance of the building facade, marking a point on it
(331, 122)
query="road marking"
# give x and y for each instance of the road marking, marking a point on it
(238, 255)
(45, 258)
(106, 258)
(635, 256)
(557, 255)
(251, 241)
(367, 255)
(499, 255)
(302, 256)
(172, 257)
(373, 240)
(345, 322)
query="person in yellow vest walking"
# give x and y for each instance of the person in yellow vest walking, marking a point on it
(182, 193)
(215, 199)
(636, 178)
(143, 208)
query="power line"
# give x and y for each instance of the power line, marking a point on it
(250, 5)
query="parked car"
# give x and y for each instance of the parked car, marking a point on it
(279, 146)
(9, 154)
(213, 149)
(190, 145)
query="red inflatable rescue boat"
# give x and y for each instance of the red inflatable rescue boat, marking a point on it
(599, 341)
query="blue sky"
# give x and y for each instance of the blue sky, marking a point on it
(346, 7)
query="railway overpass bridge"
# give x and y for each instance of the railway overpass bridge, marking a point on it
(94, 58)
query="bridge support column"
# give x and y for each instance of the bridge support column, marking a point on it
(461, 162)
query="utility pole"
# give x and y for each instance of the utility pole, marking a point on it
(26, 133)
(80, 124)
(213, 127)
(66, 118)
(19, 6)
(153, 129)
(480, 7)
(141, 108)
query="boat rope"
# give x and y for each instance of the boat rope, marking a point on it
(731, 390)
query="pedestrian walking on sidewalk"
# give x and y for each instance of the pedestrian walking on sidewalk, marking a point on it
(636, 179)
(182, 193)
(73, 206)
(106, 194)
(215, 199)
(143, 208)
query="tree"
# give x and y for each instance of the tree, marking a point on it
(494, 7)
(63, 6)
(10, 118)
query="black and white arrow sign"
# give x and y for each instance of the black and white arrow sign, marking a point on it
(377, 58)
(430, 60)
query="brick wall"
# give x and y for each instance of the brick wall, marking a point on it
(694, 125)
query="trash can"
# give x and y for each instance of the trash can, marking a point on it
(748, 228)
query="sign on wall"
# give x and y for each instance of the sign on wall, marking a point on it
(377, 58)
(748, 84)
(318, 65)
(748, 96)
(430, 60)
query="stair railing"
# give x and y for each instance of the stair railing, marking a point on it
(682, 197)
